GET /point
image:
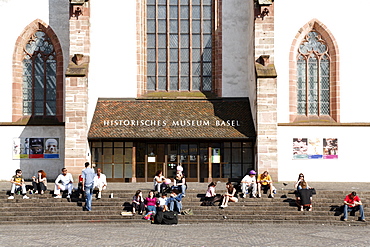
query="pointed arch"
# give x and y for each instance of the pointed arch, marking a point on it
(332, 55)
(18, 66)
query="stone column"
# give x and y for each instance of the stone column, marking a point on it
(266, 126)
(76, 97)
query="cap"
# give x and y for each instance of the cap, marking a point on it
(252, 172)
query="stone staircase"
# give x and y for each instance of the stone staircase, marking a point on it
(280, 209)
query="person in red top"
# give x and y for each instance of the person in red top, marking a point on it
(353, 203)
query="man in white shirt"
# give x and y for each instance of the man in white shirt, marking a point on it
(249, 184)
(100, 182)
(63, 182)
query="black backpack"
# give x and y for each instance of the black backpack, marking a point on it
(169, 218)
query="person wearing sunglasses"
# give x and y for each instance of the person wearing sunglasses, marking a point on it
(298, 184)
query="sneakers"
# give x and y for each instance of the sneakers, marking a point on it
(244, 195)
(58, 196)
(344, 219)
(11, 197)
(99, 195)
(25, 197)
(69, 196)
(363, 220)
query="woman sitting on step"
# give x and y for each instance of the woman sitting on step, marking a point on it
(151, 202)
(138, 203)
(229, 195)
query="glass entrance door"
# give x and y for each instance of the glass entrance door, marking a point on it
(189, 160)
(156, 160)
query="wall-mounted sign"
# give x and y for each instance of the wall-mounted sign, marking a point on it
(216, 155)
(35, 148)
(151, 159)
(171, 123)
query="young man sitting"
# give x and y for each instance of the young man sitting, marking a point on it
(18, 183)
(174, 201)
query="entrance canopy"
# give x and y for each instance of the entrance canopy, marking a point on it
(173, 119)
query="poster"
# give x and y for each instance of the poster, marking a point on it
(300, 148)
(330, 148)
(35, 148)
(315, 148)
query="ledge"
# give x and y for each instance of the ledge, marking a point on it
(313, 124)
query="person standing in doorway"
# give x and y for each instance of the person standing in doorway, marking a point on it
(88, 175)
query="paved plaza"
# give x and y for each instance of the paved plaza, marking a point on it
(183, 235)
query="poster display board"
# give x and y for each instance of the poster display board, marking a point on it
(315, 148)
(35, 148)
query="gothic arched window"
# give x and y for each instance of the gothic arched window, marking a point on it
(313, 76)
(39, 76)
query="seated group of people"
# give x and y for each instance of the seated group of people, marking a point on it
(64, 182)
(163, 185)
(249, 184)
(254, 187)
(153, 204)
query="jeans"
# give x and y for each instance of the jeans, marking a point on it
(88, 197)
(16, 187)
(174, 204)
(181, 188)
(356, 208)
(251, 187)
(68, 187)
(38, 186)
(151, 208)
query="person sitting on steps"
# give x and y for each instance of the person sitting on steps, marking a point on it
(304, 197)
(64, 181)
(353, 203)
(17, 182)
(249, 184)
(229, 195)
(264, 182)
(100, 182)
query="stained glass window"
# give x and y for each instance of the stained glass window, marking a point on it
(39, 76)
(313, 76)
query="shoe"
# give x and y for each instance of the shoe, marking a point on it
(254, 196)
(58, 196)
(42, 192)
(25, 197)
(68, 197)
(244, 196)
(363, 220)
(259, 196)
(222, 206)
(344, 219)
(36, 192)
(99, 195)
(225, 206)
(11, 197)
(272, 196)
